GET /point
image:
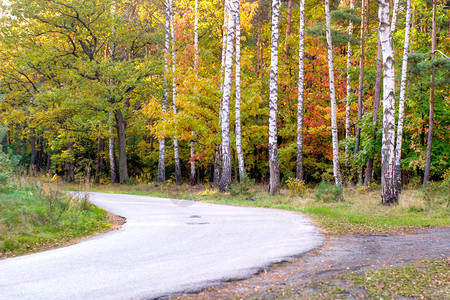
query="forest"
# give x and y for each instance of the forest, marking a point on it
(213, 92)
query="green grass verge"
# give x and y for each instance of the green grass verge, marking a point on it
(421, 280)
(34, 219)
(361, 212)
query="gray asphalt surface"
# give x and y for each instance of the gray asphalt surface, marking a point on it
(167, 247)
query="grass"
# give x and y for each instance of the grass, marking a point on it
(35, 218)
(361, 211)
(421, 280)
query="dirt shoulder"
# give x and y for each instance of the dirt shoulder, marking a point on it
(339, 254)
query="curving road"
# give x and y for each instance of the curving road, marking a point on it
(167, 247)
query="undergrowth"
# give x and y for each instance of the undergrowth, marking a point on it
(34, 217)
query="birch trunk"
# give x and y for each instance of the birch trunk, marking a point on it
(274, 184)
(162, 142)
(387, 149)
(112, 150)
(394, 17)
(301, 79)
(349, 88)
(426, 176)
(225, 179)
(334, 132)
(218, 158)
(192, 176)
(112, 157)
(401, 103)
(361, 75)
(239, 151)
(174, 95)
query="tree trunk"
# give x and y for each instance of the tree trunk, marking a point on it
(288, 32)
(376, 106)
(33, 153)
(112, 155)
(69, 166)
(426, 176)
(192, 176)
(40, 155)
(349, 88)
(401, 104)
(301, 79)
(394, 17)
(239, 151)
(162, 141)
(100, 158)
(174, 96)
(121, 139)
(218, 165)
(274, 183)
(334, 130)
(387, 150)
(361, 76)
(225, 180)
(218, 158)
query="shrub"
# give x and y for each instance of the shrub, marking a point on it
(8, 163)
(296, 186)
(328, 192)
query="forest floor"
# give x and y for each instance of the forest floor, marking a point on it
(362, 266)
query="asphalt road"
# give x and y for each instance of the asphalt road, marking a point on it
(167, 247)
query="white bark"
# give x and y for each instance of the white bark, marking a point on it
(162, 142)
(301, 79)
(334, 132)
(394, 17)
(225, 180)
(401, 103)
(218, 158)
(174, 94)
(239, 151)
(349, 88)
(192, 177)
(388, 141)
(112, 157)
(274, 184)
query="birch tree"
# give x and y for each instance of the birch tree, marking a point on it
(239, 151)
(334, 132)
(426, 176)
(192, 177)
(218, 158)
(225, 180)
(401, 103)
(301, 79)
(349, 87)
(387, 149)
(274, 183)
(174, 94)
(112, 150)
(162, 142)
